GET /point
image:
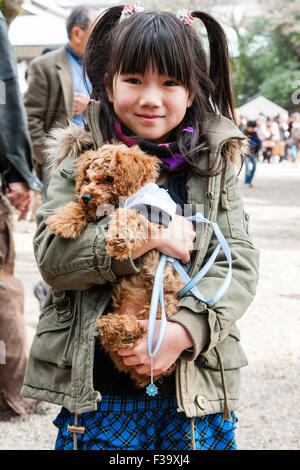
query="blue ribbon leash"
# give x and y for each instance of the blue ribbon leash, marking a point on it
(158, 290)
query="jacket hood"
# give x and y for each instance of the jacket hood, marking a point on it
(74, 139)
(70, 140)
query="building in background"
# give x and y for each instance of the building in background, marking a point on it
(263, 106)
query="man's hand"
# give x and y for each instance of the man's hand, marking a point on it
(80, 103)
(20, 196)
(176, 340)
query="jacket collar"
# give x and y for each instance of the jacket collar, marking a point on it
(219, 130)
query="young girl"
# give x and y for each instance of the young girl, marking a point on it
(151, 85)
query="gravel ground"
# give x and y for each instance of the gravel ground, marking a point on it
(269, 412)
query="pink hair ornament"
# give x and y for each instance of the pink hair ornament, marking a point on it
(185, 16)
(128, 10)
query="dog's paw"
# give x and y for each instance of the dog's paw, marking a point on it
(127, 231)
(68, 221)
(63, 228)
(120, 246)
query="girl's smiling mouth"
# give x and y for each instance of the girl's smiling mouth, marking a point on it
(149, 118)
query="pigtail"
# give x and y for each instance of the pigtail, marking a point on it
(219, 73)
(96, 58)
(96, 49)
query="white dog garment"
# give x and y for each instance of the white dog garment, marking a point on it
(154, 203)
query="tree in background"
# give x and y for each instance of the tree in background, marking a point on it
(284, 55)
(268, 63)
(267, 42)
(267, 58)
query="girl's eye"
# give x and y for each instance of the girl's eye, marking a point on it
(133, 81)
(170, 83)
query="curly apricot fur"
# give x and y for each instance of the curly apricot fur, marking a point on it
(105, 174)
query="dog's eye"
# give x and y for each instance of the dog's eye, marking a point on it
(86, 180)
(109, 179)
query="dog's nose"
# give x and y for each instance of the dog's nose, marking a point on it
(86, 198)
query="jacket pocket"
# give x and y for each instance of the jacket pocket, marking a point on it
(238, 219)
(231, 352)
(52, 333)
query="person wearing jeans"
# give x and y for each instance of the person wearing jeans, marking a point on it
(250, 160)
(250, 168)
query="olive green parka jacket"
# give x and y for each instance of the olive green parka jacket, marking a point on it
(81, 273)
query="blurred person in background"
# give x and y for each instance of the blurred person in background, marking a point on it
(271, 136)
(281, 148)
(294, 140)
(250, 160)
(240, 121)
(57, 94)
(56, 91)
(17, 180)
(258, 128)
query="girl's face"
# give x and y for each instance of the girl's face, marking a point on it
(150, 105)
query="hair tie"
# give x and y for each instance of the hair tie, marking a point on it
(128, 10)
(188, 129)
(185, 16)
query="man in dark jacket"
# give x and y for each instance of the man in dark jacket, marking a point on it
(17, 182)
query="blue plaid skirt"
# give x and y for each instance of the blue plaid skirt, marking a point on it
(144, 424)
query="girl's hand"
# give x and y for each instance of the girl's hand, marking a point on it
(176, 339)
(177, 240)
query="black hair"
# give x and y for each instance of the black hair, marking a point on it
(79, 16)
(165, 42)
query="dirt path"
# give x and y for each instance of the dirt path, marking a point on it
(269, 412)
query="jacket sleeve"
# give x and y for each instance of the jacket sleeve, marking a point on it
(81, 263)
(210, 326)
(36, 102)
(15, 145)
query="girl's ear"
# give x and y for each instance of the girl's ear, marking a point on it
(108, 88)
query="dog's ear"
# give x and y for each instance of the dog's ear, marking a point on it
(135, 168)
(82, 165)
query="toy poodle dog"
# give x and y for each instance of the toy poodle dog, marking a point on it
(103, 176)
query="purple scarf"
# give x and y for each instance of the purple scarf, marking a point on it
(168, 153)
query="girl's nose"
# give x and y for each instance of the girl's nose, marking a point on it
(150, 97)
